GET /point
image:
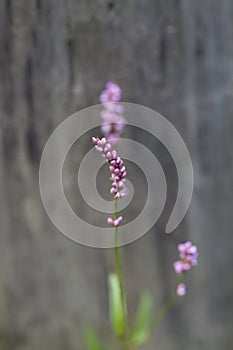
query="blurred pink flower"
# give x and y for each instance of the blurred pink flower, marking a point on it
(188, 257)
(112, 93)
(112, 113)
(181, 289)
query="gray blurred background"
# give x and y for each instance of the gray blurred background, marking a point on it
(175, 56)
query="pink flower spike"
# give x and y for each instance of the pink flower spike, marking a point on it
(181, 289)
(116, 166)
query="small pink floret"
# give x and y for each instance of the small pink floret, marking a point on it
(110, 221)
(181, 289)
(115, 222)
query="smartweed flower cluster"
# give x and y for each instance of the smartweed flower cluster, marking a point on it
(188, 258)
(118, 173)
(116, 166)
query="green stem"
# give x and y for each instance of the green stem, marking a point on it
(167, 306)
(116, 250)
(164, 310)
(119, 275)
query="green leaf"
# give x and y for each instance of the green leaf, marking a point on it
(91, 340)
(142, 325)
(116, 306)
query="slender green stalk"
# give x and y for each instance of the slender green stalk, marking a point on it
(164, 310)
(119, 275)
(116, 250)
(161, 313)
(167, 306)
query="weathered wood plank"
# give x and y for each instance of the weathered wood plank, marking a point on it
(55, 57)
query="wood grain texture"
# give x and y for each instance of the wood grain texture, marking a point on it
(55, 56)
